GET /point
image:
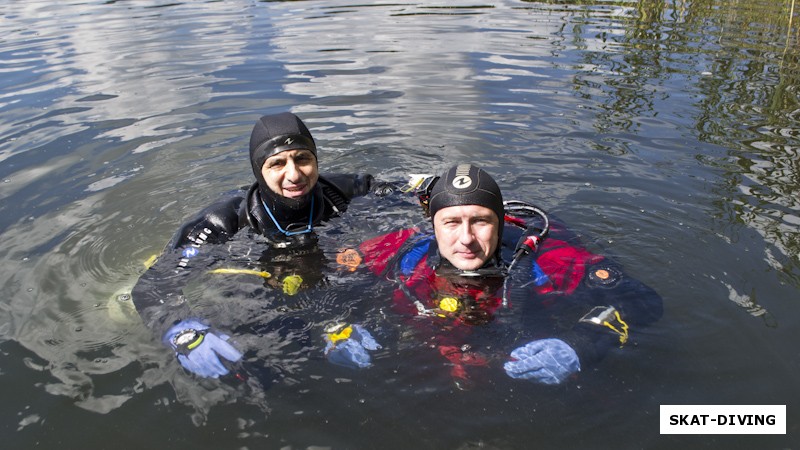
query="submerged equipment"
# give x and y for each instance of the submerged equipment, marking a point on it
(187, 340)
(609, 317)
(516, 213)
(260, 273)
(338, 332)
(348, 258)
(292, 284)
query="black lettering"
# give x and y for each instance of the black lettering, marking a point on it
(770, 419)
(746, 419)
(696, 420)
(722, 419)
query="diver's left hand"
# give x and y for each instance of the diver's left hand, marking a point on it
(548, 361)
(347, 346)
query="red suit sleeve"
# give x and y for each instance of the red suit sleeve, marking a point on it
(379, 251)
(564, 265)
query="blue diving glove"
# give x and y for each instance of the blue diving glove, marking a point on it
(347, 345)
(548, 361)
(200, 350)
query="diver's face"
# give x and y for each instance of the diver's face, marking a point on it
(292, 173)
(466, 235)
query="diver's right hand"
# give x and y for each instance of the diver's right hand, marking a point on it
(200, 350)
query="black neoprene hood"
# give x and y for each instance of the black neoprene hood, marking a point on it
(467, 184)
(276, 133)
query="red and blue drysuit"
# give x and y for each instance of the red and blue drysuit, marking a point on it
(560, 291)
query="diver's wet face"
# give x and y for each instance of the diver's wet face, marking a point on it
(292, 173)
(467, 235)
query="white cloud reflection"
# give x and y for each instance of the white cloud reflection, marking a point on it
(413, 55)
(86, 63)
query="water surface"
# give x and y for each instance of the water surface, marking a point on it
(666, 133)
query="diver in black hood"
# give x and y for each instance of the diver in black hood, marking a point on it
(288, 199)
(289, 196)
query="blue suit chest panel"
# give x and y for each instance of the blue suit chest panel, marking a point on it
(414, 255)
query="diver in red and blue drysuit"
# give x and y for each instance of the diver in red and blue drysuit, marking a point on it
(570, 305)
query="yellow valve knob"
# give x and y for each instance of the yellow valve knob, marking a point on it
(449, 304)
(291, 284)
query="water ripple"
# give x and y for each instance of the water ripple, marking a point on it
(665, 132)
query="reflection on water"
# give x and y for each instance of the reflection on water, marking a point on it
(666, 131)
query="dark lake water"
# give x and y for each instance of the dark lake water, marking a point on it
(666, 132)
